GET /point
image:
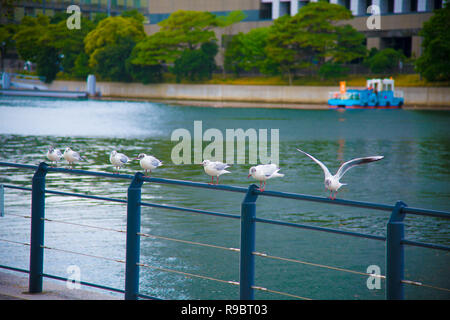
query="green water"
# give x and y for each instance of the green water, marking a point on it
(416, 169)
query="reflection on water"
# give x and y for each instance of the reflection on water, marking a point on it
(416, 169)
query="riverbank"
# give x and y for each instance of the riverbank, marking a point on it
(218, 95)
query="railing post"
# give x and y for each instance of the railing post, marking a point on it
(133, 238)
(37, 229)
(395, 254)
(247, 259)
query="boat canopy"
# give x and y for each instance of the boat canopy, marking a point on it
(381, 84)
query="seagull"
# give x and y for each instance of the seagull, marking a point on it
(118, 159)
(215, 169)
(148, 162)
(332, 182)
(54, 155)
(263, 172)
(72, 156)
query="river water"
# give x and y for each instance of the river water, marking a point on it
(416, 170)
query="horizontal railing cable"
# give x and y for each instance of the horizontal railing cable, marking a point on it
(15, 242)
(192, 275)
(264, 255)
(280, 293)
(189, 242)
(83, 254)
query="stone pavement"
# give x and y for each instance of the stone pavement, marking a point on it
(14, 286)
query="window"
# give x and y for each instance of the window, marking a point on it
(437, 4)
(347, 4)
(285, 8)
(413, 7)
(265, 11)
(390, 6)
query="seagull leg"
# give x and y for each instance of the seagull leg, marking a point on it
(217, 180)
(264, 187)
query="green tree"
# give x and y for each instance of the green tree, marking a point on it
(349, 45)
(434, 63)
(197, 64)
(385, 61)
(183, 33)
(189, 29)
(6, 40)
(68, 42)
(108, 32)
(81, 67)
(112, 61)
(28, 34)
(306, 39)
(245, 52)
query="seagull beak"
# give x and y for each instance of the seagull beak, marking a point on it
(249, 176)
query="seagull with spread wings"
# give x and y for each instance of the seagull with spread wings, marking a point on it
(332, 182)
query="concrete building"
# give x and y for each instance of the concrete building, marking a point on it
(399, 20)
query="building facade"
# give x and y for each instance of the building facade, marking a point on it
(399, 20)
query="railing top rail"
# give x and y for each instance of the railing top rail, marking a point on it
(277, 194)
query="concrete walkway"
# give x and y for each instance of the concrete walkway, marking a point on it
(14, 286)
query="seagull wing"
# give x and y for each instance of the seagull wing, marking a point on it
(324, 168)
(123, 158)
(77, 156)
(355, 162)
(155, 162)
(219, 166)
(269, 169)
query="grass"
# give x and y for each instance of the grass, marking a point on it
(401, 80)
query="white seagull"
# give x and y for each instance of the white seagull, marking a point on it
(264, 172)
(148, 162)
(54, 155)
(332, 182)
(215, 169)
(118, 159)
(72, 156)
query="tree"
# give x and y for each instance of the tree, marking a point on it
(110, 31)
(306, 39)
(6, 40)
(349, 45)
(68, 42)
(385, 61)
(189, 29)
(196, 64)
(183, 33)
(112, 60)
(245, 52)
(434, 63)
(29, 32)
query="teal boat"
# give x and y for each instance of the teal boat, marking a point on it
(378, 94)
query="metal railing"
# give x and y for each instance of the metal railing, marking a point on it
(395, 241)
